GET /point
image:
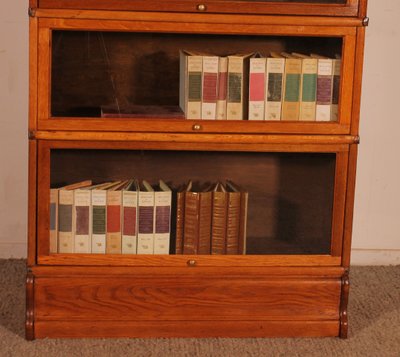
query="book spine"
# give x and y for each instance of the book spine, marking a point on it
(162, 218)
(308, 89)
(205, 210)
(336, 89)
(244, 197)
(233, 223)
(209, 87)
(65, 221)
(99, 204)
(257, 88)
(193, 87)
(324, 89)
(234, 104)
(180, 210)
(222, 88)
(129, 222)
(113, 236)
(53, 248)
(219, 223)
(291, 98)
(146, 223)
(191, 223)
(274, 88)
(81, 211)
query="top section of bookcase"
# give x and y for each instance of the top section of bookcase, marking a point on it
(341, 8)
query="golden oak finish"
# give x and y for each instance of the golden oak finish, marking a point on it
(294, 280)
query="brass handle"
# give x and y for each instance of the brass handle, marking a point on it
(196, 127)
(191, 263)
(201, 7)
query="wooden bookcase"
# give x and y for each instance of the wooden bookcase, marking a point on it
(294, 279)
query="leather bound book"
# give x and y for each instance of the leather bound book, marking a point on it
(233, 221)
(244, 197)
(197, 221)
(219, 220)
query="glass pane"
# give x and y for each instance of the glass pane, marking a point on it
(290, 195)
(138, 74)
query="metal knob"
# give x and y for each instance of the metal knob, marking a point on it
(191, 263)
(196, 127)
(201, 7)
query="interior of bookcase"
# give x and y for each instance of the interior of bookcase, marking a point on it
(290, 202)
(94, 69)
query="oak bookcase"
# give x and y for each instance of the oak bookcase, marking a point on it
(294, 279)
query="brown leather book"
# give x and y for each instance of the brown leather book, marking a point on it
(219, 220)
(197, 221)
(233, 221)
(180, 217)
(244, 197)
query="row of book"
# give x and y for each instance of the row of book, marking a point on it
(280, 87)
(211, 220)
(132, 217)
(122, 217)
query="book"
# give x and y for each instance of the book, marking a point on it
(82, 219)
(180, 217)
(129, 217)
(324, 88)
(162, 218)
(244, 198)
(53, 248)
(66, 222)
(308, 87)
(274, 88)
(219, 219)
(257, 88)
(292, 86)
(209, 87)
(145, 238)
(99, 217)
(233, 220)
(222, 87)
(238, 86)
(337, 63)
(197, 220)
(190, 84)
(113, 219)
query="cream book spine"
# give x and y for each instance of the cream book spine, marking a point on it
(146, 220)
(222, 87)
(53, 248)
(209, 87)
(129, 221)
(308, 89)
(274, 87)
(190, 89)
(257, 88)
(99, 209)
(236, 83)
(324, 89)
(82, 211)
(66, 224)
(162, 219)
(113, 235)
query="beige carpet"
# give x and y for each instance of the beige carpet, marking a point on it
(374, 314)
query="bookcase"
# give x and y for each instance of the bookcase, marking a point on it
(299, 175)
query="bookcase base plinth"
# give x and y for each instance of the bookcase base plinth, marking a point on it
(189, 302)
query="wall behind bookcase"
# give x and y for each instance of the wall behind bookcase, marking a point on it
(376, 220)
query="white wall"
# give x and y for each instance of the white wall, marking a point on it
(376, 234)
(13, 128)
(376, 238)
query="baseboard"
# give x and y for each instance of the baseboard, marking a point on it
(13, 250)
(375, 257)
